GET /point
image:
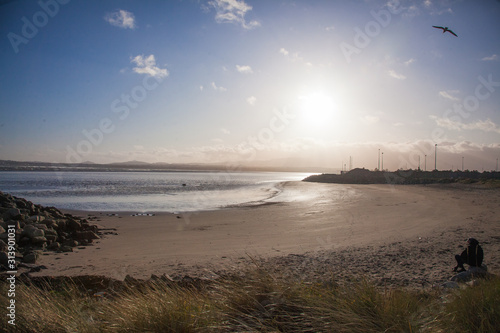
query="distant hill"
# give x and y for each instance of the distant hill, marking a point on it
(6, 165)
(364, 176)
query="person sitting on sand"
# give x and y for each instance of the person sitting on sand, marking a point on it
(472, 256)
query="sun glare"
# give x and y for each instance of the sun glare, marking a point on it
(317, 109)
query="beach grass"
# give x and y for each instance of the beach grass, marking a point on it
(258, 301)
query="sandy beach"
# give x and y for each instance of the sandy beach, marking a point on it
(396, 235)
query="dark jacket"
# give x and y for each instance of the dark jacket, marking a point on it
(473, 255)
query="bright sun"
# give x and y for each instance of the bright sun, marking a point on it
(317, 109)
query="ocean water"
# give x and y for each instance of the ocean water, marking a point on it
(145, 191)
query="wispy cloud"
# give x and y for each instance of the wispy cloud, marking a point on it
(480, 125)
(251, 100)
(233, 11)
(294, 57)
(448, 95)
(409, 62)
(370, 119)
(490, 58)
(218, 88)
(147, 65)
(121, 18)
(392, 73)
(244, 69)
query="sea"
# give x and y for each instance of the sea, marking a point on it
(145, 191)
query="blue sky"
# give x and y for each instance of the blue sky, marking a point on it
(300, 83)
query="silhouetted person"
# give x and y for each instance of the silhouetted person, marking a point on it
(472, 256)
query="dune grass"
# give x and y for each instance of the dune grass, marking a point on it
(258, 301)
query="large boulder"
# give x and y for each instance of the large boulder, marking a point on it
(12, 214)
(31, 232)
(73, 225)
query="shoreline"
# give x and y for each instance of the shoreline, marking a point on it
(399, 235)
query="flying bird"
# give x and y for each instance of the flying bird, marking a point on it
(445, 29)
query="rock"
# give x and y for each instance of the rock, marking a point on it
(31, 232)
(42, 226)
(36, 218)
(24, 241)
(50, 223)
(30, 258)
(66, 248)
(71, 242)
(55, 246)
(450, 285)
(3, 246)
(39, 240)
(51, 238)
(86, 235)
(73, 225)
(12, 213)
(4, 259)
(2, 230)
(16, 224)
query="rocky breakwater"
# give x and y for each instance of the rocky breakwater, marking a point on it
(31, 229)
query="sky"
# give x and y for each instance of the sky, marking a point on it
(306, 83)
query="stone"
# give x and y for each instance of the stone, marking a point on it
(39, 240)
(3, 246)
(66, 248)
(2, 230)
(55, 246)
(73, 224)
(31, 231)
(12, 213)
(4, 259)
(36, 218)
(23, 241)
(30, 258)
(51, 238)
(71, 242)
(87, 235)
(450, 285)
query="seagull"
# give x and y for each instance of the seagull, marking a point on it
(445, 29)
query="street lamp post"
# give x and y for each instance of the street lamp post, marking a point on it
(435, 156)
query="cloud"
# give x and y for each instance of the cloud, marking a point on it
(481, 125)
(294, 57)
(490, 58)
(217, 88)
(395, 75)
(233, 11)
(225, 131)
(330, 28)
(409, 62)
(121, 18)
(244, 69)
(370, 119)
(147, 65)
(251, 100)
(447, 95)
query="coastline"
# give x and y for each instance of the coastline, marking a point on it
(399, 235)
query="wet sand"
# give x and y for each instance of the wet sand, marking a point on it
(397, 235)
